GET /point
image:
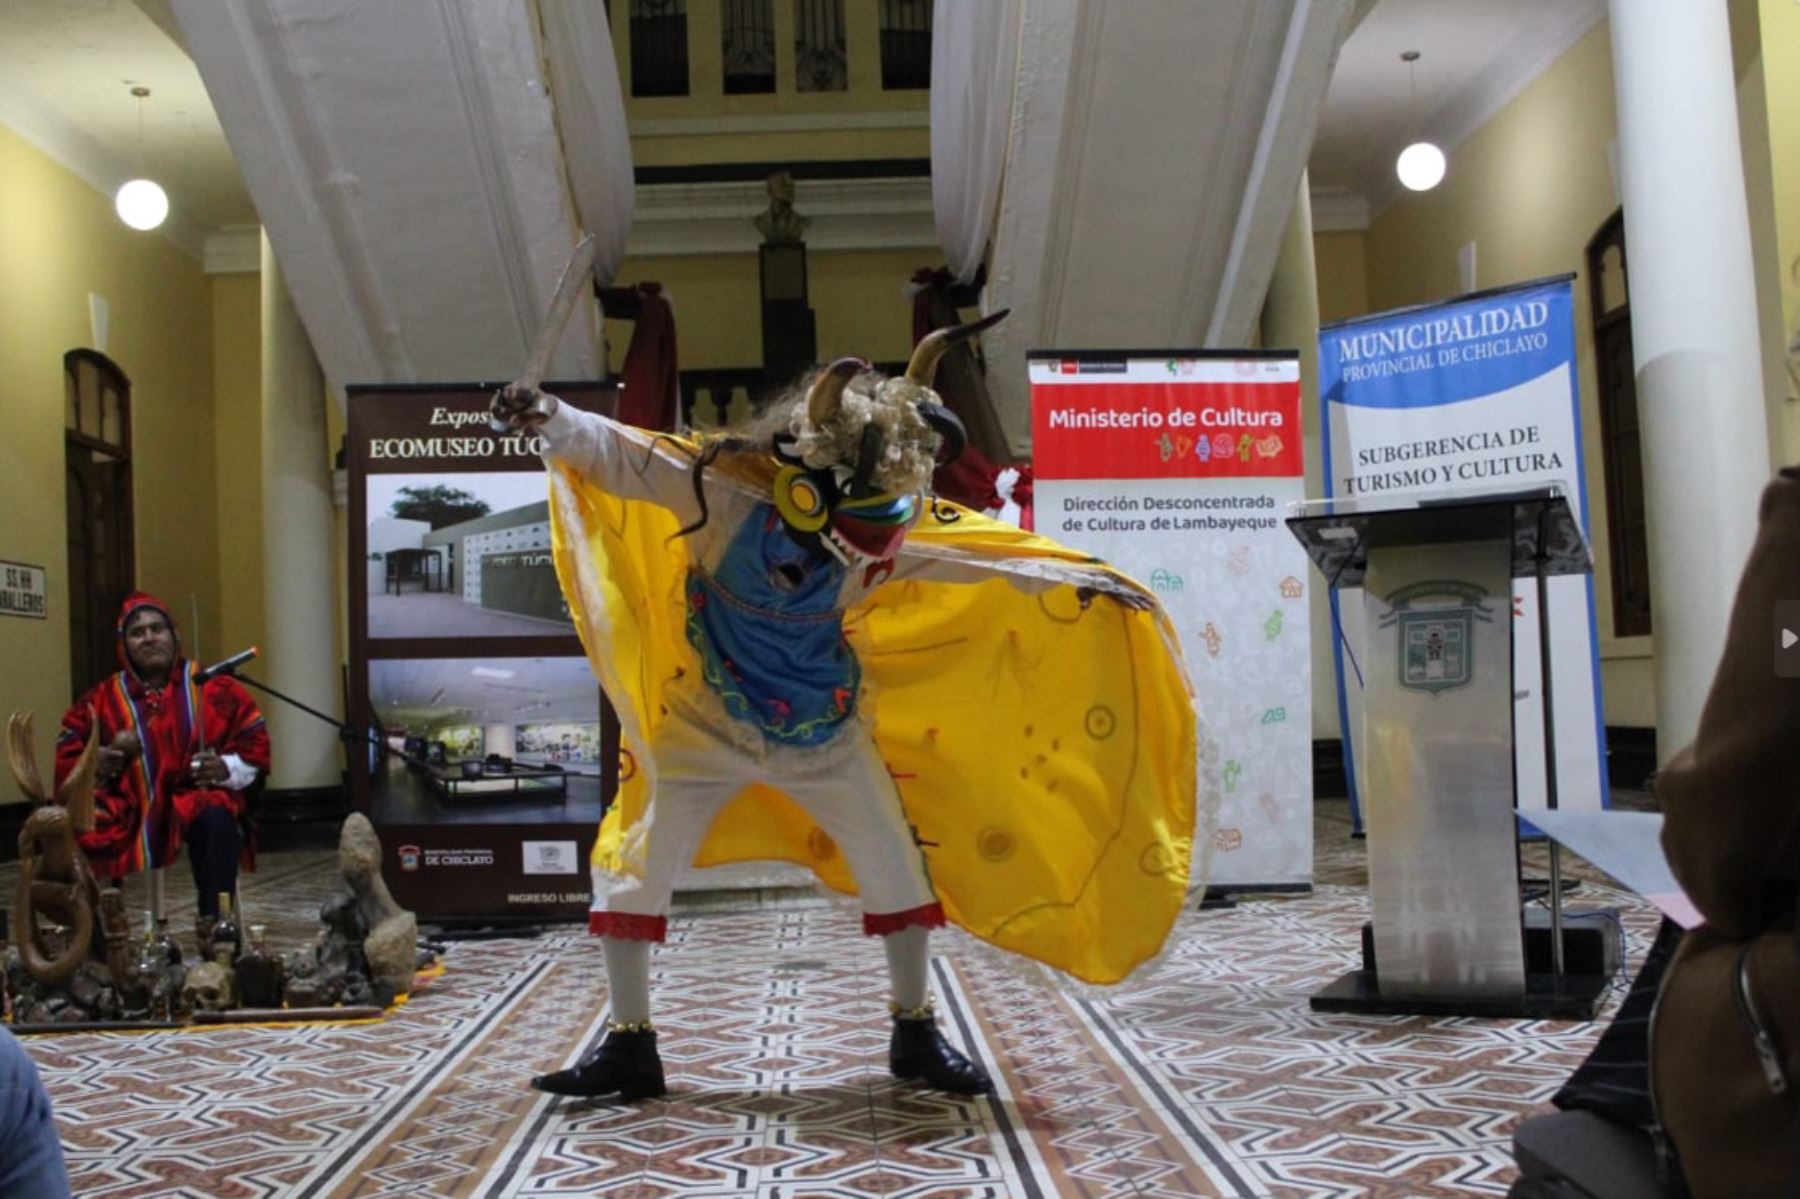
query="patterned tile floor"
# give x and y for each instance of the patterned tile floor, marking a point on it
(1211, 1077)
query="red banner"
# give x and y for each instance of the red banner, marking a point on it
(1111, 429)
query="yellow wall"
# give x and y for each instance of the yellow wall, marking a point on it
(856, 296)
(1760, 197)
(1343, 275)
(706, 99)
(717, 312)
(857, 300)
(59, 240)
(1529, 188)
(1532, 186)
(1780, 74)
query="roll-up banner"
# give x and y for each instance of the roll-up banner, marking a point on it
(1177, 467)
(463, 658)
(1474, 394)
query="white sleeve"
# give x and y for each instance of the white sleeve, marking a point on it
(242, 773)
(622, 459)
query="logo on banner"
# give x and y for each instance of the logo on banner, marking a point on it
(550, 857)
(1075, 366)
(412, 857)
(1437, 632)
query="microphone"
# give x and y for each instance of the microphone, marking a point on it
(228, 666)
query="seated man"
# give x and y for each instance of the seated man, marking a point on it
(176, 756)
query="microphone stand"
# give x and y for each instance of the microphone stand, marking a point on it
(349, 734)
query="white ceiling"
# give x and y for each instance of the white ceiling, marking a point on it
(1155, 151)
(66, 72)
(1475, 55)
(66, 67)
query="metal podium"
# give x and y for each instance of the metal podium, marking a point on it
(1449, 931)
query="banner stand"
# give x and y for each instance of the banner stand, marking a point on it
(1178, 467)
(465, 667)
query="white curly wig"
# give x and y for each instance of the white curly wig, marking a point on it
(909, 445)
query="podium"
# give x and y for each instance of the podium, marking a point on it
(1449, 923)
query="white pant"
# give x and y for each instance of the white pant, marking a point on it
(854, 800)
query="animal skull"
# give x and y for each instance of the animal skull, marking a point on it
(208, 989)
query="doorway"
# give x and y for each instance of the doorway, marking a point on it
(97, 483)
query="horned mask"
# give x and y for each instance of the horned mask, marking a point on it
(860, 451)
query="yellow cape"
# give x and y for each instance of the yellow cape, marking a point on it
(1045, 751)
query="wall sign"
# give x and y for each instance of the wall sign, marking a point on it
(22, 590)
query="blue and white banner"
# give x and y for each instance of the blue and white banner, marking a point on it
(1476, 394)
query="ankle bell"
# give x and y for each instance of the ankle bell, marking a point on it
(925, 1012)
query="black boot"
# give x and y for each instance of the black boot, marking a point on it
(625, 1064)
(920, 1051)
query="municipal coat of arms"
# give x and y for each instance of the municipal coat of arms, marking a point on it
(1437, 621)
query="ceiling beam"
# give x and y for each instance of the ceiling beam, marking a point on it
(406, 166)
(1155, 150)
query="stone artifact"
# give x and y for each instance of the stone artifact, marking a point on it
(390, 942)
(340, 945)
(302, 986)
(115, 930)
(167, 987)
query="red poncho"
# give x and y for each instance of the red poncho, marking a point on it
(141, 817)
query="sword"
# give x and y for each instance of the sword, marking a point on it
(568, 289)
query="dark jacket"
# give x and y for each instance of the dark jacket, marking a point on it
(1725, 1042)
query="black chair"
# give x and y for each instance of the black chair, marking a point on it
(1580, 1155)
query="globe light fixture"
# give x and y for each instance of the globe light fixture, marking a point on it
(1421, 165)
(141, 203)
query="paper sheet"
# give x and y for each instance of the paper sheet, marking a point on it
(1628, 846)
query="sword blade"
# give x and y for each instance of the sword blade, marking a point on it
(568, 289)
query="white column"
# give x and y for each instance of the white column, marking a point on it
(1290, 320)
(1693, 332)
(499, 739)
(300, 658)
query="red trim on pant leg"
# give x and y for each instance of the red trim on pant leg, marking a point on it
(628, 926)
(880, 924)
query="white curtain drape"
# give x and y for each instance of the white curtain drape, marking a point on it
(590, 116)
(974, 47)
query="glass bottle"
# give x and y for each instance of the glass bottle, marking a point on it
(226, 935)
(259, 973)
(170, 950)
(150, 953)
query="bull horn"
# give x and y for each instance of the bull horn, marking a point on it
(828, 388)
(949, 427)
(923, 367)
(76, 795)
(21, 755)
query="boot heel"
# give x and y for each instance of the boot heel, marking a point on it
(643, 1086)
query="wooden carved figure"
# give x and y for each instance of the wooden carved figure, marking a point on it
(54, 879)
